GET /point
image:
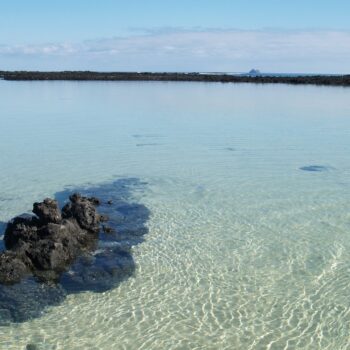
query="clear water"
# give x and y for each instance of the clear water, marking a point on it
(245, 250)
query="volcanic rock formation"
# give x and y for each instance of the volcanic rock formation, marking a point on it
(45, 244)
(91, 257)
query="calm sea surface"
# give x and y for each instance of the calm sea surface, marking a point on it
(245, 250)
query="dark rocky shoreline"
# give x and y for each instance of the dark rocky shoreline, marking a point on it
(328, 80)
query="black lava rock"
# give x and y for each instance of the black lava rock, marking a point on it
(48, 258)
(46, 245)
(48, 211)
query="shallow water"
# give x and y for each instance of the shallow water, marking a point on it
(245, 249)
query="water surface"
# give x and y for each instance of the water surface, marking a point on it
(247, 248)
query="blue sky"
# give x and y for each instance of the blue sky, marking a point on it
(181, 35)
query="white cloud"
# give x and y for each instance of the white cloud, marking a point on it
(44, 49)
(195, 50)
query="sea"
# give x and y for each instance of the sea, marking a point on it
(248, 193)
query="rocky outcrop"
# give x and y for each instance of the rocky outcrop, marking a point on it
(103, 260)
(44, 245)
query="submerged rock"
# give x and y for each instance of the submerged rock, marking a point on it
(315, 168)
(31, 347)
(27, 299)
(107, 229)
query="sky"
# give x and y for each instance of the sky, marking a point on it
(292, 36)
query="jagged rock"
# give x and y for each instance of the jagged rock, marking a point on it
(47, 244)
(21, 229)
(12, 268)
(48, 211)
(99, 261)
(84, 211)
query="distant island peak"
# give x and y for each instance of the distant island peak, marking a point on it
(254, 72)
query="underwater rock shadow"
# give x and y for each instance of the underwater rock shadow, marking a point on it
(316, 168)
(99, 271)
(112, 261)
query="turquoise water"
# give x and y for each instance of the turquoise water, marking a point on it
(245, 250)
